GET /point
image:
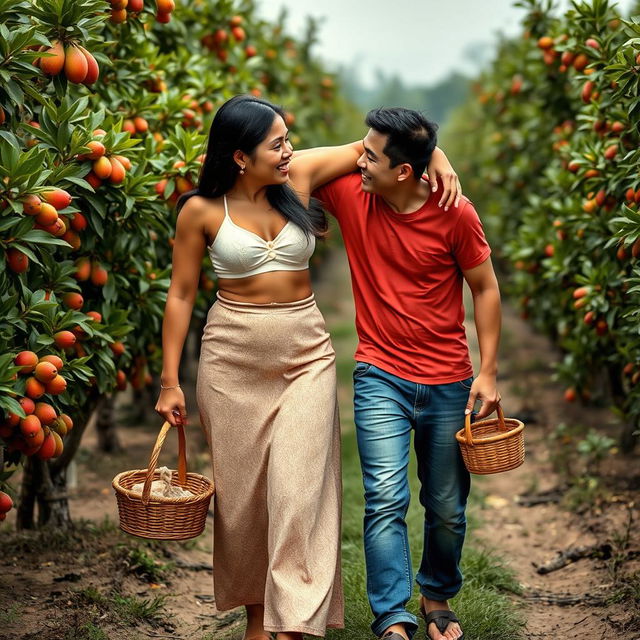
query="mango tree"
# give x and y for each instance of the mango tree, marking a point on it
(104, 110)
(550, 150)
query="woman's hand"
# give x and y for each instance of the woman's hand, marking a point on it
(171, 406)
(440, 167)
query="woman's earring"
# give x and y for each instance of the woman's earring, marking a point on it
(241, 171)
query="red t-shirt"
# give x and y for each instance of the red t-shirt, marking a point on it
(406, 273)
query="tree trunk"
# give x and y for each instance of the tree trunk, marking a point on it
(629, 438)
(53, 499)
(28, 491)
(44, 483)
(108, 441)
(631, 426)
(144, 400)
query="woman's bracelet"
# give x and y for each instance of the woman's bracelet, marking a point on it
(175, 386)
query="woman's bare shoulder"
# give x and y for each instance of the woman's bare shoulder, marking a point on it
(199, 210)
(202, 214)
(198, 205)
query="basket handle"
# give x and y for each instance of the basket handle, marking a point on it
(467, 425)
(153, 461)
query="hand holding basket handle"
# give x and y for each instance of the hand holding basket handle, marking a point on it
(491, 445)
(484, 389)
(171, 405)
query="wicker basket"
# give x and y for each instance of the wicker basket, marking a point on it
(161, 518)
(492, 445)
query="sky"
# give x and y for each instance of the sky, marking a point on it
(421, 40)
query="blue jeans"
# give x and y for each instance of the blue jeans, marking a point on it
(387, 408)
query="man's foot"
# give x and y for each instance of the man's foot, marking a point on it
(440, 627)
(395, 632)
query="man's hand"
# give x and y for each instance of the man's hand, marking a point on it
(440, 167)
(484, 389)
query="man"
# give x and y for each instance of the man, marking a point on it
(408, 257)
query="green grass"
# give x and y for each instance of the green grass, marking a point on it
(344, 367)
(87, 631)
(344, 343)
(11, 615)
(127, 609)
(93, 596)
(628, 590)
(101, 528)
(484, 568)
(343, 330)
(145, 565)
(131, 609)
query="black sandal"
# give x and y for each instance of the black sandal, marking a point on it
(442, 618)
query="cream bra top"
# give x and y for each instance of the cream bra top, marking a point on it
(237, 252)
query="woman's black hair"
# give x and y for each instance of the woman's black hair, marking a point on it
(243, 122)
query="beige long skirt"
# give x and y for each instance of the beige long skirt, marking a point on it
(267, 398)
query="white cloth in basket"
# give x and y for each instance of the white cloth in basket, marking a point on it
(163, 488)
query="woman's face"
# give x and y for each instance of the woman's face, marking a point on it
(269, 163)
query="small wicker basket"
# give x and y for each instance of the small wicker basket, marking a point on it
(492, 445)
(161, 518)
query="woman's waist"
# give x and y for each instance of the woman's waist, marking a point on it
(273, 288)
(263, 307)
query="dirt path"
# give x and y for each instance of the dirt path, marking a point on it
(48, 590)
(531, 536)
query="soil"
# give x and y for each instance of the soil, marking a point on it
(54, 586)
(598, 509)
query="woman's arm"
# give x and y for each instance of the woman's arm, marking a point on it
(187, 261)
(440, 167)
(311, 168)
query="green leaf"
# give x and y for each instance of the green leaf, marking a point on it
(9, 404)
(14, 91)
(37, 236)
(109, 289)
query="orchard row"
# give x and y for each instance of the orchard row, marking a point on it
(551, 154)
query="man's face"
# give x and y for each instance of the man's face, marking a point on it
(377, 175)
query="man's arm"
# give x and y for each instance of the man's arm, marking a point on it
(312, 168)
(486, 306)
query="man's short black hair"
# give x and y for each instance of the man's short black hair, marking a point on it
(411, 137)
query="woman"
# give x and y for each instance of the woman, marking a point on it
(266, 385)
